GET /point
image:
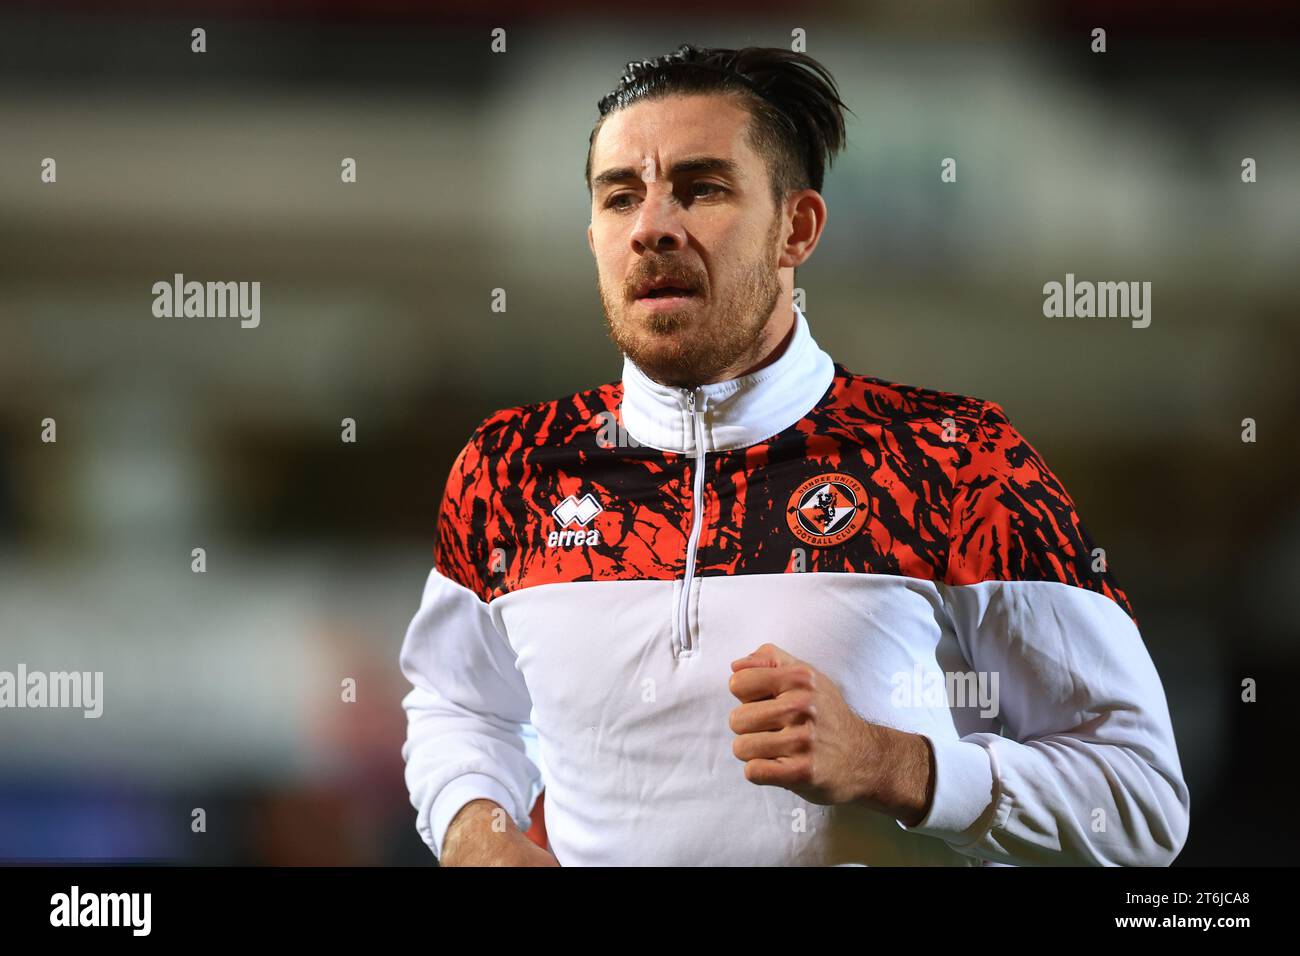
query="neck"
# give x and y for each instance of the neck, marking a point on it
(773, 342)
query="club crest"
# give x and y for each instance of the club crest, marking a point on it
(827, 510)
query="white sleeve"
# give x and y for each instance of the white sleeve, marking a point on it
(467, 713)
(1086, 771)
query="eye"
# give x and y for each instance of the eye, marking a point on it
(613, 201)
(710, 186)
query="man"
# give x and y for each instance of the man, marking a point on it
(745, 606)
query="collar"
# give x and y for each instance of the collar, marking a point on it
(736, 413)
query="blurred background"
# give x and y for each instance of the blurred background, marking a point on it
(222, 689)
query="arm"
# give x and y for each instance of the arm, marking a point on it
(1086, 771)
(468, 706)
(477, 837)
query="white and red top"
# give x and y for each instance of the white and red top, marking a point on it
(602, 558)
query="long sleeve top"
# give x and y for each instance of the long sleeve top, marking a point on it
(603, 557)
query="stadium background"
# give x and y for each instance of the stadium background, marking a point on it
(222, 690)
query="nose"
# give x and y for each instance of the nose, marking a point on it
(658, 226)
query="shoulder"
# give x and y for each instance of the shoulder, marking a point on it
(970, 439)
(856, 399)
(998, 460)
(1013, 521)
(498, 462)
(967, 434)
(551, 422)
(508, 436)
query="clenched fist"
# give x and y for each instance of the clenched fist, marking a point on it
(794, 730)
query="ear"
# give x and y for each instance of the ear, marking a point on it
(807, 220)
(590, 242)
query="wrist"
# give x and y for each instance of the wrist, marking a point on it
(898, 780)
(475, 824)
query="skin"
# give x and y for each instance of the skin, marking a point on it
(794, 730)
(717, 230)
(482, 834)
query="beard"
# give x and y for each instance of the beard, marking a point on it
(692, 345)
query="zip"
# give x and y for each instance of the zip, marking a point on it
(697, 518)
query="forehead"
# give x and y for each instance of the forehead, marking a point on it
(672, 126)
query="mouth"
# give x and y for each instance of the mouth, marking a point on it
(664, 294)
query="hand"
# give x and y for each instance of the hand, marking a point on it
(795, 730)
(471, 840)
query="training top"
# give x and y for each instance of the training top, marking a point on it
(601, 559)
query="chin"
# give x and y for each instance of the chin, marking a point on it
(669, 363)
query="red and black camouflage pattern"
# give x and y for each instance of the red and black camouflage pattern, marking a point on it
(954, 494)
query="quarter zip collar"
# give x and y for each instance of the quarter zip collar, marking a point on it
(736, 413)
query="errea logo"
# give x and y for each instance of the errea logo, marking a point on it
(579, 512)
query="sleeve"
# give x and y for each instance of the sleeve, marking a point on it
(1085, 770)
(468, 712)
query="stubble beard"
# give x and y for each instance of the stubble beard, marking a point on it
(693, 345)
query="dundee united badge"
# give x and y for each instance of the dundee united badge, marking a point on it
(827, 510)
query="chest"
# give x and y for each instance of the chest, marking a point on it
(799, 503)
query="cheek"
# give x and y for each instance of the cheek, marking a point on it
(730, 245)
(608, 262)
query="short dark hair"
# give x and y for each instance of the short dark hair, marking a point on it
(796, 114)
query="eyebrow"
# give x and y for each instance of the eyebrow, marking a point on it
(694, 164)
